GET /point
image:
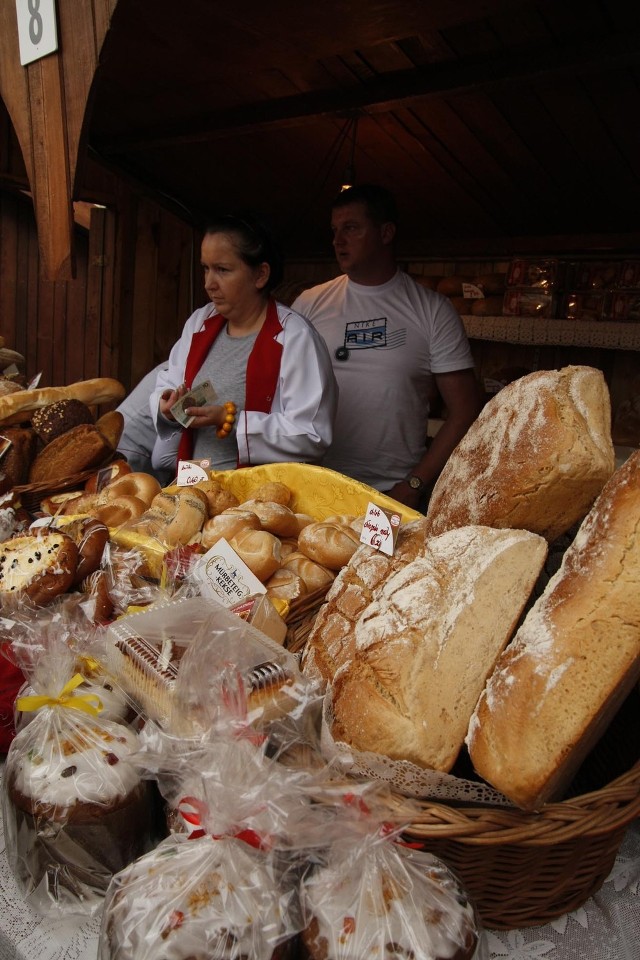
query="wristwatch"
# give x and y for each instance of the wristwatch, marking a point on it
(416, 483)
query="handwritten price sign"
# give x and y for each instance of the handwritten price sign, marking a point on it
(380, 529)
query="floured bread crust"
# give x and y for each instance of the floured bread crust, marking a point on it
(572, 662)
(418, 656)
(536, 458)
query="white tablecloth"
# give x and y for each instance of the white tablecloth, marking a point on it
(607, 927)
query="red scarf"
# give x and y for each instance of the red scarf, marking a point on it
(263, 366)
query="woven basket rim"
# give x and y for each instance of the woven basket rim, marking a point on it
(598, 812)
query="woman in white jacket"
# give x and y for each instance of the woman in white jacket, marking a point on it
(269, 368)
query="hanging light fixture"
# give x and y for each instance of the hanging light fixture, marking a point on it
(350, 172)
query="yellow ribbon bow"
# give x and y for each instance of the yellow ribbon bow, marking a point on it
(87, 702)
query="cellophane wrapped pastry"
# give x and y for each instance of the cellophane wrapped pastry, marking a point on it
(76, 810)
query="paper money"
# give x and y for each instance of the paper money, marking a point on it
(199, 396)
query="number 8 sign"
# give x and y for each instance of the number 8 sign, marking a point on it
(37, 31)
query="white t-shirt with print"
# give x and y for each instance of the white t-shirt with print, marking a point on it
(385, 343)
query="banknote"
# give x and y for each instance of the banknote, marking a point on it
(198, 396)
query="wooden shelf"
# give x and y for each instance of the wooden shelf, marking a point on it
(561, 333)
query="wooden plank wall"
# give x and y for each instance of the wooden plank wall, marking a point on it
(124, 310)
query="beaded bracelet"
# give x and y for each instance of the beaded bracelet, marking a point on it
(229, 420)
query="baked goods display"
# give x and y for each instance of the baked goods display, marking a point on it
(572, 662)
(536, 457)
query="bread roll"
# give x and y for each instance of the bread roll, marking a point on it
(218, 497)
(119, 510)
(274, 517)
(536, 457)
(227, 525)
(274, 492)
(136, 484)
(260, 550)
(16, 406)
(329, 543)
(314, 574)
(174, 518)
(424, 646)
(115, 470)
(572, 662)
(285, 585)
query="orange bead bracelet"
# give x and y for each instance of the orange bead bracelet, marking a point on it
(229, 420)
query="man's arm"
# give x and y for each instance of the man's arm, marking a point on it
(461, 396)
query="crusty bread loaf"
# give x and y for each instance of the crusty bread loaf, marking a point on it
(16, 462)
(573, 660)
(78, 449)
(330, 641)
(421, 650)
(56, 418)
(536, 458)
(111, 425)
(17, 406)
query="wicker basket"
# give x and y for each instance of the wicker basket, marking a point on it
(32, 494)
(524, 869)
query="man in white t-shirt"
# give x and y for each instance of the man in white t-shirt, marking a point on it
(392, 342)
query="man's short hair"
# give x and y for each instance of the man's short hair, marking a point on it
(379, 202)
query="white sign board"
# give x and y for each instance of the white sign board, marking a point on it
(37, 29)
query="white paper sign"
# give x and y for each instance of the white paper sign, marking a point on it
(380, 529)
(37, 29)
(192, 471)
(224, 576)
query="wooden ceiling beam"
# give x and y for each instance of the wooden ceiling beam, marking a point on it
(46, 101)
(386, 92)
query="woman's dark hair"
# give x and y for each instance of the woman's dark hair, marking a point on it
(254, 242)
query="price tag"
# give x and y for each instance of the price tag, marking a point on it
(33, 383)
(224, 577)
(380, 529)
(37, 29)
(192, 471)
(471, 292)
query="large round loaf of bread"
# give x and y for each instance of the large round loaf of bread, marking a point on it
(573, 661)
(536, 458)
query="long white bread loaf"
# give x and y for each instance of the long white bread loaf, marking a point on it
(16, 407)
(423, 647)
(536, 458)
(572, 662)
